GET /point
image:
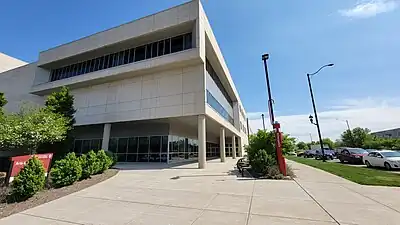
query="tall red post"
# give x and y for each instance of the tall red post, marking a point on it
(278, 144)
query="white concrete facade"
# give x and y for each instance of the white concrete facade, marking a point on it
(169, 89)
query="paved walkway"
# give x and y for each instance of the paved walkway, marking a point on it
(185, 195)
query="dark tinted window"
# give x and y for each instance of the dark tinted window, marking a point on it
(131, 55)
(140, 53)
(176, 44)
(167, 46)
(126, 56)
(154, 49)
(148, 51)
(187, 41)
(160, 48)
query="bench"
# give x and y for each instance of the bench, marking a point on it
(242, 164)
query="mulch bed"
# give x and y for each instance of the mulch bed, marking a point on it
(48, 195)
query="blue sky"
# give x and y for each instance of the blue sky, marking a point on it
(360, 37)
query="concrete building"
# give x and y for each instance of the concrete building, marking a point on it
(156, 89)
(392, 133)
(8, 62)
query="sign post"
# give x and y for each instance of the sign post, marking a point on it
(279, 155)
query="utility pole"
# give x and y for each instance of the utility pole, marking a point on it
(262, 116)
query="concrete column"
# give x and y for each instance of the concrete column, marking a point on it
(233, 147)
(240, 147)
(106, 136)
(201, 134)
(222, 143)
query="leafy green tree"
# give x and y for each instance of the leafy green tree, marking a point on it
(356, 138)
(30, 128)
(3, 102)
(329, 142)
(61, 102)
(288, 143)
(302, 145)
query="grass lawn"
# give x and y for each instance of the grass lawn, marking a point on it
(358, 175)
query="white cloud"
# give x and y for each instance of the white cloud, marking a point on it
(369, 8)
(375, 114)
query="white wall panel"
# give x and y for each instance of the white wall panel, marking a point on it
(150, 96)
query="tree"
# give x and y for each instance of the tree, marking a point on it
(61, 102)
(288, 143)
(329, 142)
(30, 128)
(3, 102)
(301, 145)
(356, 138)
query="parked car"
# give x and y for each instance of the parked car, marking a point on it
(385, 158)
(352, 155)
(300, 154)
(329, 154)
(309, 153)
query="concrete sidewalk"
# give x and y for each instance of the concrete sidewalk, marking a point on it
(142, 194)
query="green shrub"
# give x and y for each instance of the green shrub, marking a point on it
(88, 168)
(66, 171)
(29, 181)
(105, 161)
(261, 161)
(94, 162)
(113, 157)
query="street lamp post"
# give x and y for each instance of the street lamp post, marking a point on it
(262, 116)
(315, 109)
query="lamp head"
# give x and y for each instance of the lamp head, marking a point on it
(311, 119)
(265, 56)
(331, 64)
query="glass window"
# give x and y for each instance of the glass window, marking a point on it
(148, 51)
(78, 146)
(126, 56)
(155, 144)
(143, 145)
(96, 64)
(131, 158)
(167, 46)
(92, 65)
(120, 58)
(78, 69)
(111, 60)
(96, 144)
(140, 53)
(86, 146)
(115, 60)
(122, 145)
(155, 147)
(101, 63)
(112, 146)
(83, 68)
(131, 55)
(161, 48)
(164, 145)
(187, 41)
(154, 49)
(176, 44)
(132, 145)
(106, 59)
(53, 72)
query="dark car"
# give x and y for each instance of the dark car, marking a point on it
(329, 154)
(309, 153)
(352, 155)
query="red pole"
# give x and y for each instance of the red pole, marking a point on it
(278, 143)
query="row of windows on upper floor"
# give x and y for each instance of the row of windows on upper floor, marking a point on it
(217, 81)
(218, 107)
(151, 50)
